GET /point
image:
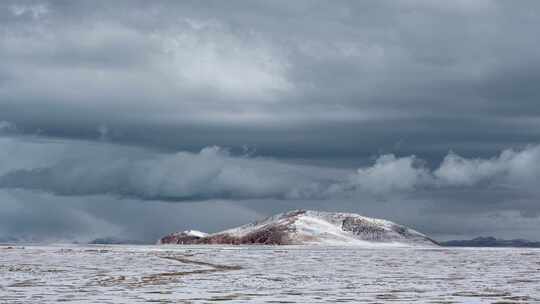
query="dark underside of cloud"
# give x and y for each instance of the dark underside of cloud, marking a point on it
(113, 114)
(215, 174)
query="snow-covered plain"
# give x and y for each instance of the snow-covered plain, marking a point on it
(267, 274)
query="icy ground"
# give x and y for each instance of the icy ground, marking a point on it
(257, 274)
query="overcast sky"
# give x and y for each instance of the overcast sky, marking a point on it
(132, 119)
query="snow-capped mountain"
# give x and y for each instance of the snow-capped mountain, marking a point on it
(304, 227)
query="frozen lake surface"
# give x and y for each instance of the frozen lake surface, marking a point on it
(258, 274)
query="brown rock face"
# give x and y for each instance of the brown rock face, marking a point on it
(275, 235)
(272, 235)
(179, 238)
(369, 231)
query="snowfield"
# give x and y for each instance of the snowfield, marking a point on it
(267, 274)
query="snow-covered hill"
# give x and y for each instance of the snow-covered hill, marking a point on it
(304, 227)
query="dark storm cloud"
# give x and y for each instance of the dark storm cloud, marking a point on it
(120, 99)
(186, 75)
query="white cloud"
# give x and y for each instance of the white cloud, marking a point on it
(458, 171)
(207, 55)
(390, 174)
(36, 11)
(516, 168)
(6, 126)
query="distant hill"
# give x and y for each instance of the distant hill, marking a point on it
(305, 227)
(491, 242)
(97, 241)
(9, 240)
(115, 241)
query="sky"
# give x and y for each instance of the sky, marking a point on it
(133, 119)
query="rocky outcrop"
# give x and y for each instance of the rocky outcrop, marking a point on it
(184, 237)
(301, 227)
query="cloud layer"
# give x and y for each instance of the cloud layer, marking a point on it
(281, 76)
(210, 174)
(214, 173)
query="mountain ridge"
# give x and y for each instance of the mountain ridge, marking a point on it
(491, 242)
(308, 227)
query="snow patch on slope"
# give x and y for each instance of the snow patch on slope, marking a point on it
(322, 232)
(195, 233)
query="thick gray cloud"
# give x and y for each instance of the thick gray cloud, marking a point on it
(189, 75)
(355, 101)
(210, 174)
(214, 173)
